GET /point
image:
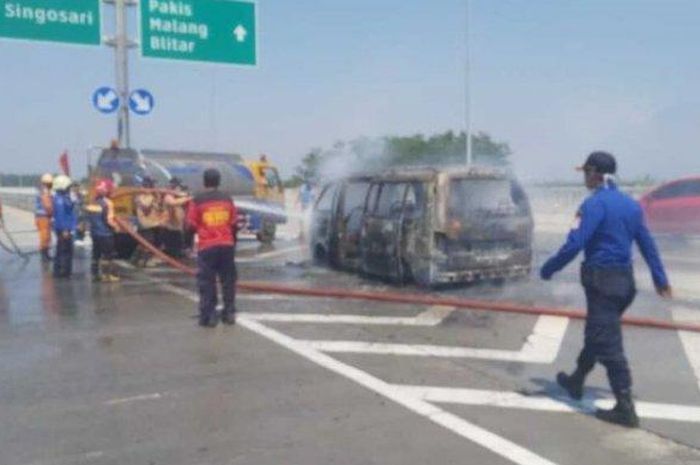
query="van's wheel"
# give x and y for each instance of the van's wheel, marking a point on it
(266, 235)
(320, 257)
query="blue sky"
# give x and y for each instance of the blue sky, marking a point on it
(554, 78)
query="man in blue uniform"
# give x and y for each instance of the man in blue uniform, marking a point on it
(609, 221)
(65, 222)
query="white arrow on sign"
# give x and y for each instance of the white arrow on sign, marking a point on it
(106, 101)
(240, 32)
(143, 104)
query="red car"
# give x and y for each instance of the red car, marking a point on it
(674, 207)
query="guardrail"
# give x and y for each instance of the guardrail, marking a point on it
(543, 198)
(18, 197)
(554, 199)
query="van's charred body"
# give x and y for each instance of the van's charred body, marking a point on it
(425, 224)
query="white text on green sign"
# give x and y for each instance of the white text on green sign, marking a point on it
(67, 21)
(221, 31)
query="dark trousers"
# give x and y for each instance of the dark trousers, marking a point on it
(102, 249)
(154, 237)
(63, 259)
(213, 263)
(174, 242)
(609, 292)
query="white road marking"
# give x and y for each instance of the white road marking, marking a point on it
(126, 400)
(515, 400)
(457, 425)
(691, 341)
(542, 346)
(436, 313)
(474, 433)
(423, 319)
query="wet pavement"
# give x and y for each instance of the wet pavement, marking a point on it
(120, 373)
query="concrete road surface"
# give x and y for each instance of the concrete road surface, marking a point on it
(120, 373)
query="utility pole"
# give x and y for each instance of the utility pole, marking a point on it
(467, 87)
(121, 44)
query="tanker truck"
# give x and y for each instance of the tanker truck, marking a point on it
(255, 185)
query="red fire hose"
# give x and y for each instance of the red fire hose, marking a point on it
(410, 298)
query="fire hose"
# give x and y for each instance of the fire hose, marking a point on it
(409, 298)
(12, 249)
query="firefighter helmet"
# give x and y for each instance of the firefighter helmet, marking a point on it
(47, 179)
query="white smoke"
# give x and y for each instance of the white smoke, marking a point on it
(354, 157)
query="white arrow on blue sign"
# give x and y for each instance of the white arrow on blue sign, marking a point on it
(105, 100)
(141, 102)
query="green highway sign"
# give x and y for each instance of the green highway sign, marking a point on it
(67, 21)
(215, 31)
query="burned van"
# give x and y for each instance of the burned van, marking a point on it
(426, 224)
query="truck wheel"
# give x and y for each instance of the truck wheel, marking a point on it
(267, 233)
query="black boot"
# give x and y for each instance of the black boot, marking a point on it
(572, 384)
(622, 414)
(228, 319)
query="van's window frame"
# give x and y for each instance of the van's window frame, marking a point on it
(403, 187)
(322, 197)
(360, 205)
(372, 196)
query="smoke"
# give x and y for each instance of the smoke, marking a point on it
(355, 157)
(368, 155)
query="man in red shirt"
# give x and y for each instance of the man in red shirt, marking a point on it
(213, 216)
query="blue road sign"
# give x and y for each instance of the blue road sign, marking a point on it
(141, 102)
(105, 100)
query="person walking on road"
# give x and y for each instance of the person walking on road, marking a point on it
(102, 229)
(65, 222)
(608, 222)
(43, 212)
(213, 215)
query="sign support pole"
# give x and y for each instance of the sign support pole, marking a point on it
(121, 54)
(121, 44)
(467, 88)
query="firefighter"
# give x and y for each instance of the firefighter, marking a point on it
(174, 203)
(213, 215)
(65, 222)
(102, 229)
(43, 212)
(608, 222)
(149, 213)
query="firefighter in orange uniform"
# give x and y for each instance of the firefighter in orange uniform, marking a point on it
(42, 214)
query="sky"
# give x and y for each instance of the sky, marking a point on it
(555, 79)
